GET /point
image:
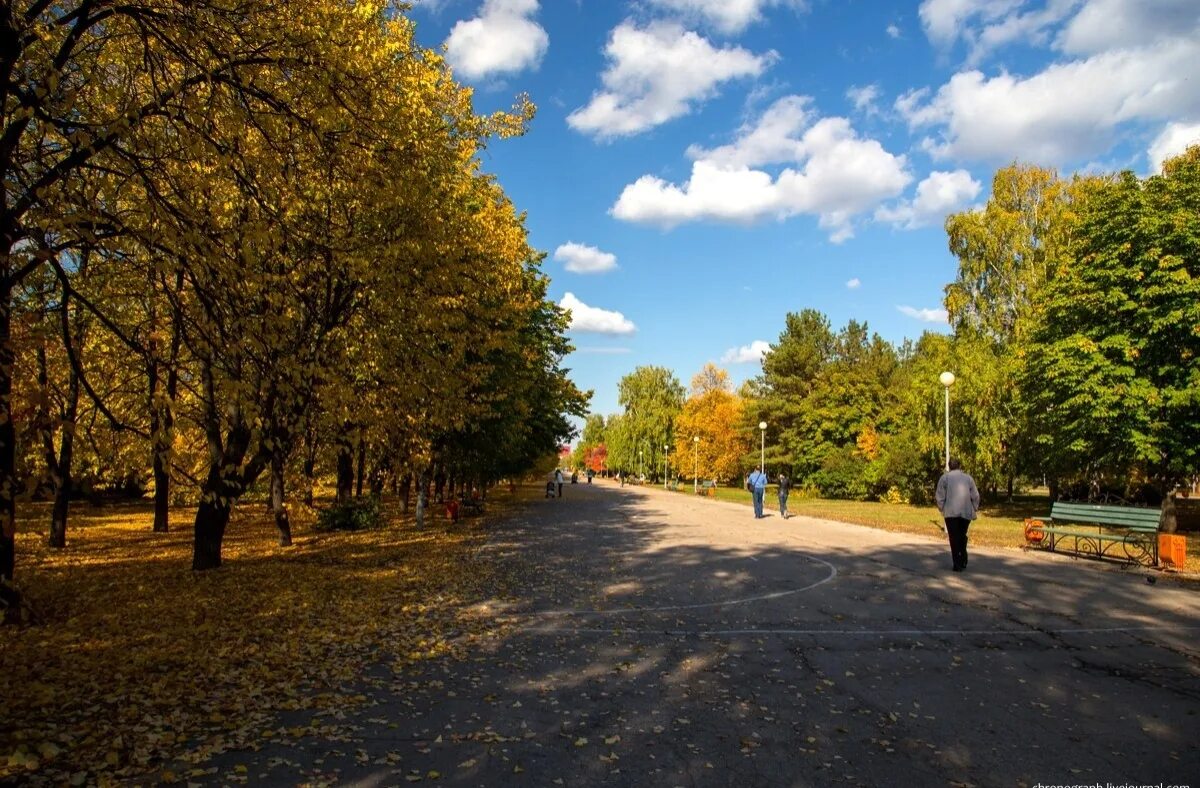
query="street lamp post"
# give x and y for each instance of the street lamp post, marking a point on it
(640, 473)
(947, 380)
(696, 464)
(666, 449)
(762, 455)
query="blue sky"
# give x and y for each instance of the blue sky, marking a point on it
(700, 168)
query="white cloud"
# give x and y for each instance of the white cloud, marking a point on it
(729, 16)
(1068, 112)
(864, 97)
(893, 31)
(854, 284)
(503, 39)
(937, 195)
(604, 351)
(835, 175)
(746, 353)
(1172, 141)
(926, 315)
(1109, 24)
(945, 21)
(583, 259)
(593, 320)
(656, 74)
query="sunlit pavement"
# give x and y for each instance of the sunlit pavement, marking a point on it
(662, 639)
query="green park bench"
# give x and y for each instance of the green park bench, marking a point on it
(1122, 533)
(707, 487)
(673, 485)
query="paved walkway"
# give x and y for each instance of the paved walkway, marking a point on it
(661, 640)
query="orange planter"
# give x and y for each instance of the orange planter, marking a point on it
(1172, 550)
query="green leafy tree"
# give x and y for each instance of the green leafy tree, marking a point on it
(652, 397)
(1114, 372)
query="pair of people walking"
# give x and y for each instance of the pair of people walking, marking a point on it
(756, 483)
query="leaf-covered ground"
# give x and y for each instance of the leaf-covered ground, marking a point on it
(137, 666)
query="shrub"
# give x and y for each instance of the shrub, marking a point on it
(894, 496)
(353, 515)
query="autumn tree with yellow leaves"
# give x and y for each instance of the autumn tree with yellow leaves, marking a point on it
(712, 412)
(274, 224)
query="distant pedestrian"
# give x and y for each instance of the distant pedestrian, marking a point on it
(758, 488)
(558, 479)
(785, 487)
(958, 501)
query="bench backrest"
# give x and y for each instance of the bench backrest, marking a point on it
(1135, 518)
(708, 483)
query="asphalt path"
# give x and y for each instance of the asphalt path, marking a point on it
(658, 639)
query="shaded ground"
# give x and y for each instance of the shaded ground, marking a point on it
(650, 639)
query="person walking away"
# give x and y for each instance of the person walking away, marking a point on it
(558, 479)
(758, 488)
(785, 487)
(958, 501)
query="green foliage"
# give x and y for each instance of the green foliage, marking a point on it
(1114, 371)
(652, 397)
(356, 514)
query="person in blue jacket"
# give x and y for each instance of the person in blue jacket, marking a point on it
(758, 486)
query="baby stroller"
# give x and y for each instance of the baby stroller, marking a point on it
(551, 489)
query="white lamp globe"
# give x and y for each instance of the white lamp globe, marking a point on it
(947, 379)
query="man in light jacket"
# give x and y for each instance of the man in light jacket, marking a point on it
(958, 501)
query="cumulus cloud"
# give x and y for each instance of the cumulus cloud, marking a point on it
(503, 39)
(1067, 112)
(1122, 63)
(728, 16)
(593, 320)
(893, 31)
(832, 173)
(1172, 141)
(854, 284)
(926, 315)
(1117, 24)
(583, 259)
(987, 25)
(864, 97)
(656, 74)
(939, 194)
(746, 353)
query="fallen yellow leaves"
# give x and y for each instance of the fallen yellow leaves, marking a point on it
(137, 665)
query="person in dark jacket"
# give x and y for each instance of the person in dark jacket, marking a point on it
(785, 487)
(958, 501)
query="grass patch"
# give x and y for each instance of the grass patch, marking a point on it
(137, 666)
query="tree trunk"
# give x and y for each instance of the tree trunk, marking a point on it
(422, 496)
(8, 456)
(345, 466)
(212, 517)
(277, 500)
(362, 467)
(310, 466)
(162, 494)
(405, 493)
(63, 480)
